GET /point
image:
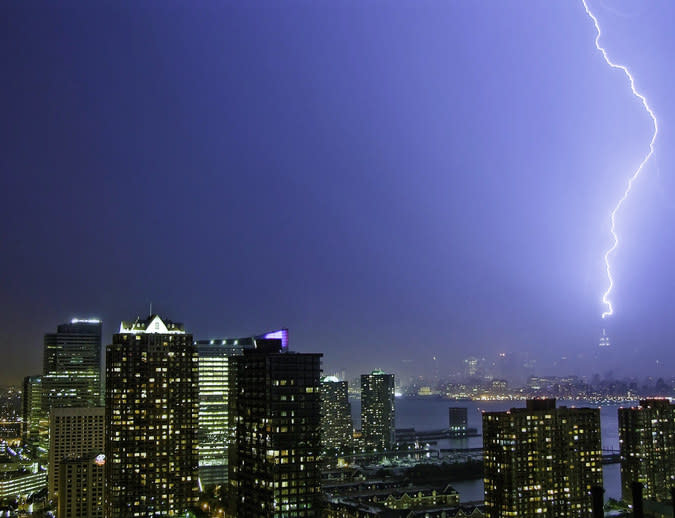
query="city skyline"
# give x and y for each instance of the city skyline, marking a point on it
(278, 413)
(409, 184)
(512, 366)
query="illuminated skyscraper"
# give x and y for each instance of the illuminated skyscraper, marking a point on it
(541, 460)
(274, 468)
(336, 415)
(72, 366)
(377, 410)
(214, 427)
(152, 411)
(647, 438)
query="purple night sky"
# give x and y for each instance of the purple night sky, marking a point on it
(389, 181)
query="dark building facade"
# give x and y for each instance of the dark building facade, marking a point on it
(541, 460)
(647, 443)
(72, 366)
(275, 407)
(378, 410)
(337, 431)
(458, 421)
(152, 409)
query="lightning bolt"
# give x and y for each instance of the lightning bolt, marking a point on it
(605, 297)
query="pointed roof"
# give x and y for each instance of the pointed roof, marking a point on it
(152, 324)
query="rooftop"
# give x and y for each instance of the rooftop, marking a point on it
(152, 324)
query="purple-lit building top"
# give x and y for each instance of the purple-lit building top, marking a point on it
(281, 334)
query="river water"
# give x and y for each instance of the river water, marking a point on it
(432, 414)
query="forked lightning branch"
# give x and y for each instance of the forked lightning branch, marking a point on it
(608, 254)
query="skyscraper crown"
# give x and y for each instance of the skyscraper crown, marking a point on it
(152, 324)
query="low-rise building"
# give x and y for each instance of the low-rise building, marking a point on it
(389, 498)
(21, 483)
(342, 507)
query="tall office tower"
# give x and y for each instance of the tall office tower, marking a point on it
(152, 411)
(458, 421)
(337, 431)
(72, 366)
(541, 460)
(274, 468)
(73, 433)
(377, 410)
(214, 427)
(81, 486)
(647, 442)
(32, 409)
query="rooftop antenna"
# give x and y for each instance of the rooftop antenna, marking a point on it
(150, 308)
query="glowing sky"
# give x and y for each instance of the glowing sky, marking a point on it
(388, 183)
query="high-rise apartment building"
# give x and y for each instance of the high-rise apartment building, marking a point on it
(378, 410)
(274, 468)
(80, 487)
(214, 427)
(647, 443)
(541, 460)
(152, 411)
(337, 431)
(72, 366)
(73, 433)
